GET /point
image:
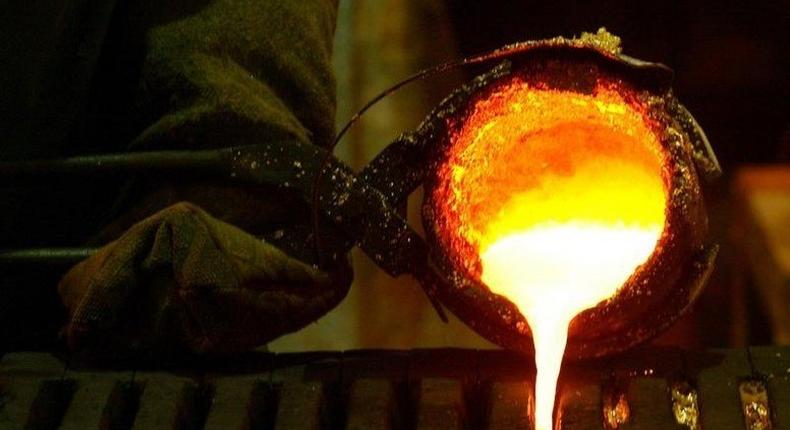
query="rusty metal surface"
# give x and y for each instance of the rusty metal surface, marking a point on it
(418, 389)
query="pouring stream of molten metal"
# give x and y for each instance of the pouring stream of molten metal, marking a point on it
(553, 272)
(575, 205)
(612, 218)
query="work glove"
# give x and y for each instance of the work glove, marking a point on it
(182, 280)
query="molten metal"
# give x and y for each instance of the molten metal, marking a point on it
(558, 197)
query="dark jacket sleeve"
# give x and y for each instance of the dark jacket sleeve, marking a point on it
(233, 73)
(238, 72)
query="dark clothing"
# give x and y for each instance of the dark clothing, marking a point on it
(93, 76)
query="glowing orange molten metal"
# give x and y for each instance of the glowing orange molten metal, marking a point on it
(559, 197)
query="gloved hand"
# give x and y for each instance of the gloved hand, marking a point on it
(215, 73)
(183, 280)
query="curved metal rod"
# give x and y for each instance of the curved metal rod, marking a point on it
(155, 162)
(49, 256)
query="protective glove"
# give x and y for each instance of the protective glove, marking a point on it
(183, 280)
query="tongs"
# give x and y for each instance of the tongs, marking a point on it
(354, 209)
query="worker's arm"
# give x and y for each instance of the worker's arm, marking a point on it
(184, 276)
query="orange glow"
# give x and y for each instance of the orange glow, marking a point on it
(553, 199)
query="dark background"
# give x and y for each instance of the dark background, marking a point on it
(730, 57)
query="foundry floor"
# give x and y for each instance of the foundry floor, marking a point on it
(383, 389)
